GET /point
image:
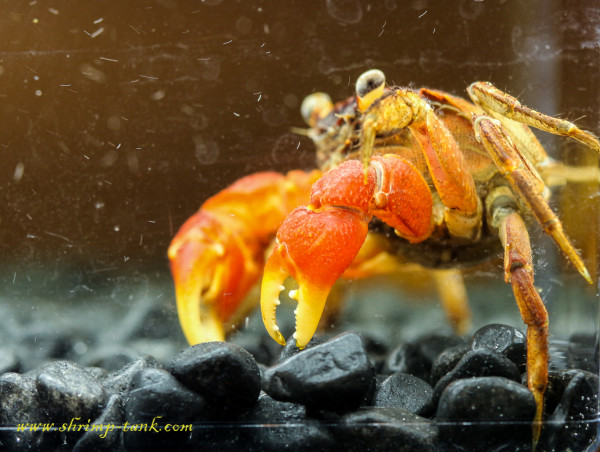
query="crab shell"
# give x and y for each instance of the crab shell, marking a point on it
(447, 177)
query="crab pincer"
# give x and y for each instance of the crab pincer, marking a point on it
(217, 255)
(316, 243)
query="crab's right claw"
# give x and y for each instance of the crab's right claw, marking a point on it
(314, 246)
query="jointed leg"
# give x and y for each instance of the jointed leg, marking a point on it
(525, 183)
(518, 271)
(556, 174)
(374, 259)
(491, 99)
(453, 296)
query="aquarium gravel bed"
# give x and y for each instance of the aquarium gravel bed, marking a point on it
(64, 388)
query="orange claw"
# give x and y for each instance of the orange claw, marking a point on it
(316, 244)
(314, 248)
(217, 255)
(211, 274)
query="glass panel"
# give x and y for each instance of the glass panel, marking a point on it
(118, 120)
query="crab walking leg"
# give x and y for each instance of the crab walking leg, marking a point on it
(518, 271)
(450, 175)
(217, 255)
(491, 99)
(526, 184)
(444, 158)
(453, 295)
(317, 243)
(556, 173)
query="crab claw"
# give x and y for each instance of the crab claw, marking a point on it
(212, 273)
(313, 246)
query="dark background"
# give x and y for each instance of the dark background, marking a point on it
(118, 119)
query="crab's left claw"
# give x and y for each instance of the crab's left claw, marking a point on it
(212, 272)
(218, 254)
(314, 246)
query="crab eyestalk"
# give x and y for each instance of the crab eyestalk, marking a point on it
(369, 87)
(316, 107)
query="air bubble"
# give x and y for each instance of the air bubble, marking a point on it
(206, 151)
(346, 11)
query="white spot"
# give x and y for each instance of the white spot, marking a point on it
(158, 95)
(97, 33)
(19, 170)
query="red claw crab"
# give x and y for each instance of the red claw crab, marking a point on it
(448, 176)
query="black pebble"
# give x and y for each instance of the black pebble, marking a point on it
(446, 361)
(222, 372)
(417, 357)
(105, 432)
(158, 398)
(486, 413)
(386, 429)
(68, 392)
(19, 404)
(333, 376)
(573, 423)
(120, 381)
(405, 391)
(407, 358)
(583, 352)
(478, 363)
(289, 428)
(503, 339)
(290, 348)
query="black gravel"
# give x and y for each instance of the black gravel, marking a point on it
(347, 392)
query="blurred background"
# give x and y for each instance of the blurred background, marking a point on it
(118, 119)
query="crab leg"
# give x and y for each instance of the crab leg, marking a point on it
(491, 99)
(453, 295)
(518, 271)
(526, 184)
(451, 178)
(217, 255)
(315, 244)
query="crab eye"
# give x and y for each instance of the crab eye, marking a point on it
(369, 87)
(315, 107)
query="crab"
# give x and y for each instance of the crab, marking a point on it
(404, 176)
